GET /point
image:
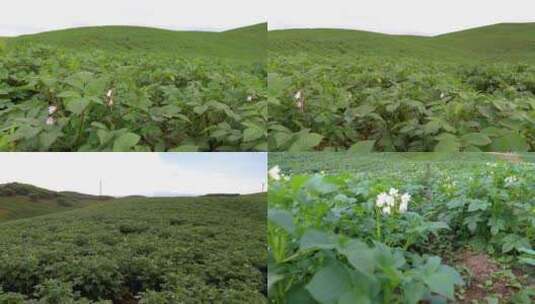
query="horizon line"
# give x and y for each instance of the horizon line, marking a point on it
(165, 28)
(407, 33)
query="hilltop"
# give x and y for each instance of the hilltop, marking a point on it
(505, 41)
(246, 43)
(19, 200)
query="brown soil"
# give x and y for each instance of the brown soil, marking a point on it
(481, 268)
(512, 157)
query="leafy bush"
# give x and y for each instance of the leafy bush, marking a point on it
(82, 255)
(367, 103)
(377, 236)
(53, 100)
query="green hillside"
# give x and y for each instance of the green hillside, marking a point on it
(22, 201)
(508, 42)
(244, 44)
(139, 250)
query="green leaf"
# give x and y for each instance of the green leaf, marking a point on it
(125, 142)
(363, 146)
(456, 204)
(46, 139)
(441, 283)
(305, 141)
(448, 145)
(330, 283)
(318, 240)
(77, 106)
(478, 205)
(299, 295)
(414, 292)
(354, 296)
(253, 133)
(319, 184)
(476, 139)
(282, 218)
(359, 255)
(511, 142)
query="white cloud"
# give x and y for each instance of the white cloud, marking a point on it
(398, 17)
(29, 16)
(125, 173)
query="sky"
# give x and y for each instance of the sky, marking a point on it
(421, 17)
(32, 16)
(150, 174)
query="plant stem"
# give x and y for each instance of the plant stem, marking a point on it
(378, 225)
(80, 130)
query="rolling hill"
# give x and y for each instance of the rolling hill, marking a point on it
(19, 201)
(248, 43)
(509, 42)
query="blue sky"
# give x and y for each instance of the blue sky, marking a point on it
(31, 16)
(152, 174)
(248, 165)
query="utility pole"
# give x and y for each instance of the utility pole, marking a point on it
(263, 186)
(100, 187)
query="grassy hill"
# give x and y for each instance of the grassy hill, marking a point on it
(507, 42)
(247, 43)
(140, 250)
(22, 201)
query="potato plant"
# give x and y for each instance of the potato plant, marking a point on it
(376, 104)
(391, 235)
(139, 250)
(54, 100)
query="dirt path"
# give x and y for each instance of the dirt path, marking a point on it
(512, 157)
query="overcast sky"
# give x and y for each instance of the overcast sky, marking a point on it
(31, 16)
(153, 174)
(424, 17)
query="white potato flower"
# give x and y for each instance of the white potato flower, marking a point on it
(52, 110)
(405, 198)
(275, 173)
(392, 201)
(404, 206)
(510, 180)
(109, 97)
(381, 199)
(50, 121)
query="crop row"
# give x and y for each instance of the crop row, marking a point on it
(159, 251)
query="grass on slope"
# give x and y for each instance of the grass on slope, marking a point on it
(19, 201)
(13, 208)
(141, 250)
(247, 44)
(507, 42)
